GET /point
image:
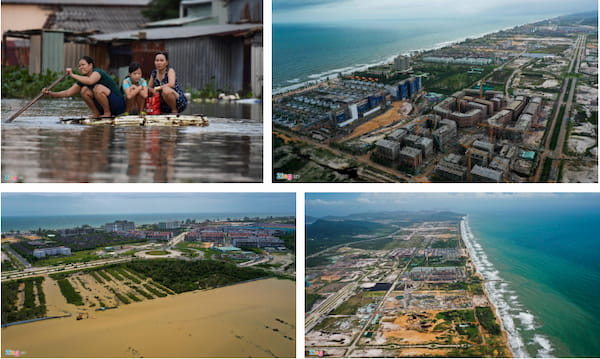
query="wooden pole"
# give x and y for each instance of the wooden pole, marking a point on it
(39, 96)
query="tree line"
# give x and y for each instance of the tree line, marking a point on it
(10, 295)
(182, 276)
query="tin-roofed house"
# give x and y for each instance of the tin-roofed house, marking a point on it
(52, 34)
(215, 43)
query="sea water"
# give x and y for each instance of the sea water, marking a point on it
(543, 275)
(308, 52)
(26, 223)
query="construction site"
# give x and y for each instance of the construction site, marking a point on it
(507, 107)
(471, 136)
(419, 296)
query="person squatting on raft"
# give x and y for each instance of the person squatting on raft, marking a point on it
(164, 81)
(98, 90)
(135, 88)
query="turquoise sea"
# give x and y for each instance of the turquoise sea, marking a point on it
(544, 275)
(308, 52)
(24, 223)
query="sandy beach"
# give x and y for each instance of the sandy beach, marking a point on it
(255, 319)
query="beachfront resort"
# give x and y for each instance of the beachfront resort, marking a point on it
(184, 280)
(519, 105)
(396, 285)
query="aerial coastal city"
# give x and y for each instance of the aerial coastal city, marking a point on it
(409, 289)
(451, 275)
(220, 287)
(518, 105)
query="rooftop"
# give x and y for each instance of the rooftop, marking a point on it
(486, 172)
(178, 32)
(96, 18)
(410, 152)
(81, 2)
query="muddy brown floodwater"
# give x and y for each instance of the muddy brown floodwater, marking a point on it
(255, 319)
(37, 148)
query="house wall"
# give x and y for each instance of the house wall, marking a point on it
(73, 52)
(23, 17)
(204, 60)
(53, 51)
(257, 66)
(242, 11)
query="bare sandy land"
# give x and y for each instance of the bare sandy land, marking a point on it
(234, 321)
(411, 352)
(411, 336)
(390, 116)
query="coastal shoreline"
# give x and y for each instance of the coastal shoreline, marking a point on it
(322, 76)
(464, 233)
(506, 313)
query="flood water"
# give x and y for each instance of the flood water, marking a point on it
(37, 148)
(238, 321)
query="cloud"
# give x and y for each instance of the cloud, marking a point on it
(322, 202)
(352, 10)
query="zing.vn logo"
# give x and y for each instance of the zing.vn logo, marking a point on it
(10, 178)
(14, 353)
(285, 176)
(318, 353)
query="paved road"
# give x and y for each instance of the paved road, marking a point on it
(377, 311)
(336, 299)
(557, 152)
(177, 239)
(62, 268)
(362, 160)
(16, 255)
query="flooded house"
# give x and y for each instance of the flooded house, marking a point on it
(214, 43)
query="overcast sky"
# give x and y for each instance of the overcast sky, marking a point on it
(342, 204)
(350, 10)
(20, 204)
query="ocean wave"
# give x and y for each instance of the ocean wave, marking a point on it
(293, 81)
(546, 347)
(527, 320)
(321, 76)
(331, 72)
(505, 300)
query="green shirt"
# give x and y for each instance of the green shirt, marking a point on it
(105, 80)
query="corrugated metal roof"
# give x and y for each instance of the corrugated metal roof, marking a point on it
(165, 33)
(192, 2)
(82, 2)
(177, 22)
(100, 19)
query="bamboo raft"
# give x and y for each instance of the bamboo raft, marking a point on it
(141, 120)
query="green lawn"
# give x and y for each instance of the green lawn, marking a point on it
(157, 253)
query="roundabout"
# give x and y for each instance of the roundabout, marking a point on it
(159, 253)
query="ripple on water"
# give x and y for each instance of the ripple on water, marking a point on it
(36, 147)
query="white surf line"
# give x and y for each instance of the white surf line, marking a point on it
(505, 300)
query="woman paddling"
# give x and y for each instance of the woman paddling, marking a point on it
(98, 90)
(164, 81)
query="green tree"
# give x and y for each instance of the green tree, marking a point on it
(162, 9)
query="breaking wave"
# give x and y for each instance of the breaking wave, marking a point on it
(515, 318)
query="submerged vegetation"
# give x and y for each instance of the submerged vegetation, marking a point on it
(17, 82)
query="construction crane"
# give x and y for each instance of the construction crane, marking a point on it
(491, 129)
(417, 124)
(470, 150)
